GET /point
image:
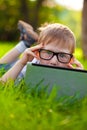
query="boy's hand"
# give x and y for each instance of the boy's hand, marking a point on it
(75, 64)
(29, 54)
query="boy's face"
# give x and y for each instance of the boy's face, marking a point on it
(61, 56)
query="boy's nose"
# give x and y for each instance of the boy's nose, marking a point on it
(54, 61)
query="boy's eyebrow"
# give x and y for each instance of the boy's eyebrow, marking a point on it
(57, 51)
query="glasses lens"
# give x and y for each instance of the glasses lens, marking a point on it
(64, 57)
(46, 54)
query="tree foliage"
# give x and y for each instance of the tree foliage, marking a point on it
(12, 11)
(35, 12)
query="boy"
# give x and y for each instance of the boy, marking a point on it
(56, 47)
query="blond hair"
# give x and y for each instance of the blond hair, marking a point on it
(57, 32)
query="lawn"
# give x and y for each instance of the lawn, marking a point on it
(21, 109)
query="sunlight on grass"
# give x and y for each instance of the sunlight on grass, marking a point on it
(78, 53)
(21, 110)
(5, 47)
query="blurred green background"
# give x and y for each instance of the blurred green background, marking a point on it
(37, 12)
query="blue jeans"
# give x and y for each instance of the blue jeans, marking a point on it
(5, 66)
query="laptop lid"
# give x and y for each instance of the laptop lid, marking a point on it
(68, 82)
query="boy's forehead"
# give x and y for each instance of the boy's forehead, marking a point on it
(54, 46)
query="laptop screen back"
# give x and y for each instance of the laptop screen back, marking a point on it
(68, 82)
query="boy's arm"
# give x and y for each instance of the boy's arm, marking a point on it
(13, 72)
(28, 55)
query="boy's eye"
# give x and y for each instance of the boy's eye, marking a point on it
(49, 52)
(62, 55)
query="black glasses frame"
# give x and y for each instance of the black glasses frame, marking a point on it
(55, 54)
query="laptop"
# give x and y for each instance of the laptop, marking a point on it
(67, 82)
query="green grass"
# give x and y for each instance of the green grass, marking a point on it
(5, 47)
(21, 109)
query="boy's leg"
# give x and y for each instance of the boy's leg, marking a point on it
(27, 37)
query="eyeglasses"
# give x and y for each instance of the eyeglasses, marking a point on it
(61, 56)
